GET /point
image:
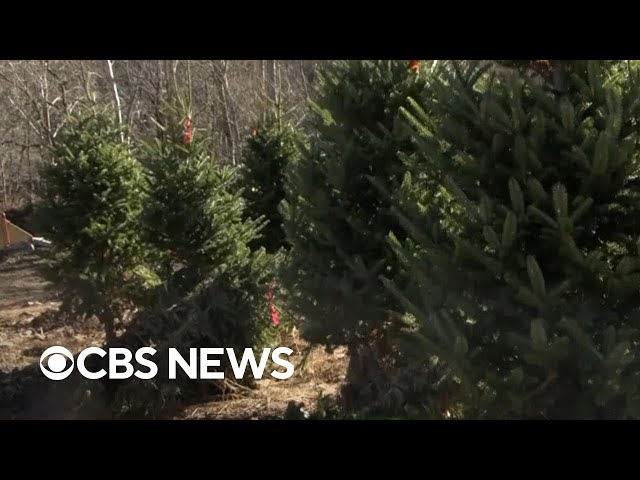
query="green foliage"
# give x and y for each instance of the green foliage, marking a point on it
(335, 218)
(215, 289)
(267, 153)
(195, 214)
(228, 310)
(526, 272)
(91, 204)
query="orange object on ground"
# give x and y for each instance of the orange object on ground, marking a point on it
(11, 234)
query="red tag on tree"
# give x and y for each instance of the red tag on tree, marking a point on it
(272, 307)
(187, 131)
(415, 66)
(254, 132)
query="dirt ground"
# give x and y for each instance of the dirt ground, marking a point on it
(29, 325)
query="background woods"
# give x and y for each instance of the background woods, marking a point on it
(228, 99)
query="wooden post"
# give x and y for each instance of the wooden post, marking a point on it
(5, 230)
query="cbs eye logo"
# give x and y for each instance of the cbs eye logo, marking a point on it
(59, 358)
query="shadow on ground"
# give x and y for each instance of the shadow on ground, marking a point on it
(27, 394)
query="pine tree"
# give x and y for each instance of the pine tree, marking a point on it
(526, 265)
(90, 208)
(336, 220)
(269, 150)
(195, 216)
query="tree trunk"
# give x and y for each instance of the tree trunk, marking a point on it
(107, 319)
(366, 379)
(273, 88)
(29, 166)
(46, 108)
(4, 186)
(224, 87)
(116, 96)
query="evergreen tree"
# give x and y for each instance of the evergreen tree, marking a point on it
(226, 310)
(217, 286)
(195, 216)
(90, 208)
(336, 220)
(268, 151)
(526, 265)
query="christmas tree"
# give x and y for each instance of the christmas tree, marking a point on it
(526, 263)
(90, 208)
(269, 149)
(335, 219)
(216, 285)
(195, 215)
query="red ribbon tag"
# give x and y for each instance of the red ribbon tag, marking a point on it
(187, 131)
(415, 66)
(272, 307)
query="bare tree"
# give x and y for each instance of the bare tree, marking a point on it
(228, 99)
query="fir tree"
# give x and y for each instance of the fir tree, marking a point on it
(269, 150)
(195, 215)
(336, 220)
(526, 265)
(90, 208)
(216, 285)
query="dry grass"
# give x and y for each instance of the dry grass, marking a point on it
(30, 323)
(25, 298)
(319, 374)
